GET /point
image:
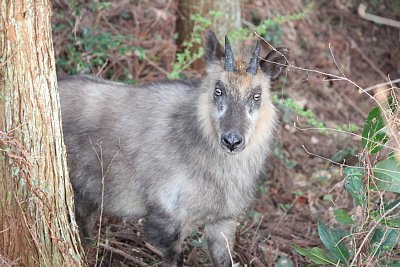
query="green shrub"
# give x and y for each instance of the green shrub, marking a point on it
(373, 237)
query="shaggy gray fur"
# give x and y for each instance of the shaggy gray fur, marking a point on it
(149, 145)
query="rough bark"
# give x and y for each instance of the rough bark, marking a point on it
(37, 225)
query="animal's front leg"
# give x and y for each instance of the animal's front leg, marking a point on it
(220, 237)
(166, 234)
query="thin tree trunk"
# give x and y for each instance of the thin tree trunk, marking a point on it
(37, 225)
(228, 21)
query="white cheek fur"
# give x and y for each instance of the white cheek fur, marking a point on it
(252, 117)
(220, 113)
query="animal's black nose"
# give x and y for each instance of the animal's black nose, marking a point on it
(232, 140)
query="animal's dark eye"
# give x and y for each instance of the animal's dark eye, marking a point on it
(257, 97)
(218, 91)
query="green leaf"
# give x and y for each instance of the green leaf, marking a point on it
(333, 241)
(395, 222)
(316, 255)
(387, 174)
(392, 239)
(341, 155)
(373, 135)
(389, 221)
(254, 214)
(390, 263)
(354, 184)
(284, 262)
(391, 204)
(341, 216)
(384, 240)
(291, 164)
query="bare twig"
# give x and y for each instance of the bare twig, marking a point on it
(369, 61)
(123, 254)
(371, 231)
(5, 230)
(382, 84)
(329, 75)
(391, 121)
(103, 176)
(334, 60)
(153, 249)
(362, 8)
(227, 246)
(253, 242)
(153, 64)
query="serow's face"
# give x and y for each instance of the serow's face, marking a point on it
(239, 90)
(235, 113)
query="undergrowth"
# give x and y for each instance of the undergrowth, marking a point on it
(192, 49)
(369, 233)
(92, 49)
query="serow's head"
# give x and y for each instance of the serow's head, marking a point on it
(237, 100)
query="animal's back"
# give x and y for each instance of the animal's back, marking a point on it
(120, 133)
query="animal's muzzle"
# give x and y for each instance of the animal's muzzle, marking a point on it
(232, 141)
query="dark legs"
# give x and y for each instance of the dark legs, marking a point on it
(84, 212)
(166, 234)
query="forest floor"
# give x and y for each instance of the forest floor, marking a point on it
(304, 180)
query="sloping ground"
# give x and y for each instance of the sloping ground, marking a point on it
(302, 183)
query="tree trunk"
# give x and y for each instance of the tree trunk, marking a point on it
(37, 225)
(228, 21)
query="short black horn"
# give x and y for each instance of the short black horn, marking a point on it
(252, 69)
(229, 60)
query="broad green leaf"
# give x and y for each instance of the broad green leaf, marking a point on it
(395, 222)
(376, 215)
(392, 239)
(284, 262)
(354, 184)
(340, 155)
(373, 135)
(333, 241)
(391, 204)
(341, 216)
(390, 263)
(254, 214)
(387, 173)
(375, 248)
(384, 240)
(316, 255)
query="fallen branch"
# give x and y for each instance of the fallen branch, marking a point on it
(123, 254)
(362, 8)
(381, 84)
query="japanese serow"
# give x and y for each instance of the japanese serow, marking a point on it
(180, 154)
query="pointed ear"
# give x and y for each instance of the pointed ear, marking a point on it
(213, 50)
(280, 56)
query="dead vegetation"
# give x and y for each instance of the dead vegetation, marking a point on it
(303, 181)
